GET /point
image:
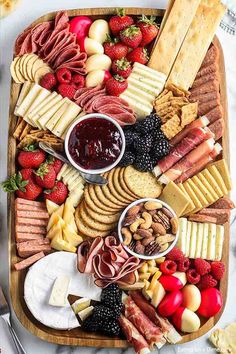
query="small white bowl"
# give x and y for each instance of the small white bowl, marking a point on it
(142, 256)
(99, 170)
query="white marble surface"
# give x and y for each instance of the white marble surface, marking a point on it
(9, 28)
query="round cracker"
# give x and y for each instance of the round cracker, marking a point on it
(96, 201)
(13, 71)
(18, 70)
(39, 73)
(106, 219)
(118, 187)
(143, 184)
(100, 195)
(37, 64)
(123, 184)
(21, 63)
(25, 70)
(113, 190)
(92, 206)
(85, 229)
(30, 64)
(94, 224)
(7, 6)
(110, 196)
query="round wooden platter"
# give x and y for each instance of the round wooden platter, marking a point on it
(77, 337)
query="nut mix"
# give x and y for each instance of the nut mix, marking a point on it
(149, 228)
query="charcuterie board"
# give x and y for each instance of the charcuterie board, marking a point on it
(77, 337)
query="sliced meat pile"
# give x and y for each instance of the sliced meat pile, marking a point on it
(108, 261)
(31, 221)
(206, 91)
(54, 43)
(95, 100)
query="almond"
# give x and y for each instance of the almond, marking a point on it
(139, 248)
(133, 210)
(174, 225)
(158, 228)
(144, 233)
(146, 241)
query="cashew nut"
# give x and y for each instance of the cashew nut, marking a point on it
(147, 221)
(152, 205)
(127, 235)
(133, 227)
(137, 237)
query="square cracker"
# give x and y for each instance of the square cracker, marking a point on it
(188, 113)
(171, 127)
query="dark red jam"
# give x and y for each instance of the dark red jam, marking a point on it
(95, 143)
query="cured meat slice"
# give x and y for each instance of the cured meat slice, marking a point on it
(202, 218)
(204, 108)
(31, 229)
(198, 123)
(209, 86)
(30, 202)
(188, 161)
(201, 80)
(194, 138)
(133, 336)
(22, 237)
(212, 68)
(32, 214)
(221, 215)
(29, 261)
(83, 96)
(144, 325)
(200, 164)
(72, 59)
(41, 33)
(215, 114)
(223, 203)
(217, 128)
(211, 56)
(166, 327)
(31, 222)
(205, 97)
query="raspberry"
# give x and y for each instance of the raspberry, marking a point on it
(202, 266)
(183, 264)
(78, 80)
(207, 281)
(66, 90)
(175, 254)
(63, 76)
(48, 81)
(217, 269)
(192, 276)
(168, 267)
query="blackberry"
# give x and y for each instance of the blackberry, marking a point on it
(160, 149)
(111, 295)
(102, 312)
(130, 137)
(117, 309)
(144, 163)
(110, 328)
(149, 124)
(157, 135)
(92, 324)
(143, 144)
(127, 159)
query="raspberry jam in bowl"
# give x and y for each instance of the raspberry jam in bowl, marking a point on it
(95, 143)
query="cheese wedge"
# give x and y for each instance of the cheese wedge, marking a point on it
(211, 248)
(205, 177)
(219, 242)
(182, 234)
(28, 100)
(193, 196)
(198, 193)
(62, 171)
(205, 240)
(193, 240)
(158, 294)
(210, 198)
(51, 206)
(54, 217)
(219, 179)
(71, 237)
(188, 238)
(222, 167)
(59, 292)
(173, 196)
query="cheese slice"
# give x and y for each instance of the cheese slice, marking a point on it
(142, 110)
(154, 75)
(193, 240)
(182, 234)
(44, 118)
(210, 198)
(219, 242)
(205, 177)
(211, 248)
(28, 100)
(205, 240)
(198, 193)
(59, 292)
(57, 115)
(188, 238)
(46, 107)
(216, 174)
(62, 171)
(23, 93)
(43, 94)
(223, 169)
(75, 196)
(80, 304)
(142, 96)
(200, 234)
(193, 196)
(43, 104)
(64, 122)
(173, 196)
(190, 207)
(142, 83)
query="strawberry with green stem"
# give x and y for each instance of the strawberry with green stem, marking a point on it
(114, 49)
(120, 21)
(121, 67)
(139, 55)
(31, 157)
(149, 29)
(116, 85)
(45, 176)
(58, 194)
(131, 36)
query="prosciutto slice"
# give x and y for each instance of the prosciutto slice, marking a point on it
(188, 161)
(108, 261)
(194, 138)
(200, 164)
(133, 336)
(166, 327)
(144, 325)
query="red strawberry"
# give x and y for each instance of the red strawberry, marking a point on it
(31, 157)
(168, 267)
(45, 176)
(121, 67)
(66, 90)
(131, 36)
(48, 81)
(183, 264)
(192, 276)
(138, 54)
(56, 163)
(207, 281)
(63, 76)
(175, 254)
(115, 49)
(78, 80)
(119, 22)
(148, 28)
(23, 184)
(202, 266)
(58, 194)
(217, 269)
(116, 85)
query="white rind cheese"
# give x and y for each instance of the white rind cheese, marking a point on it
(59, 292)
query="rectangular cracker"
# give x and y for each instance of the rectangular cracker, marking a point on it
(222, 167)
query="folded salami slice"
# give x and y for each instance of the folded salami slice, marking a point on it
(133, 336)
(72, 59)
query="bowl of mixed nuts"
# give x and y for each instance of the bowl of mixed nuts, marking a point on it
(148, 228)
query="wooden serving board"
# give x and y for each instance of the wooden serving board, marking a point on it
(77, 337)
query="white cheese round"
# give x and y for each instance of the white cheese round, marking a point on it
(39, 283)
